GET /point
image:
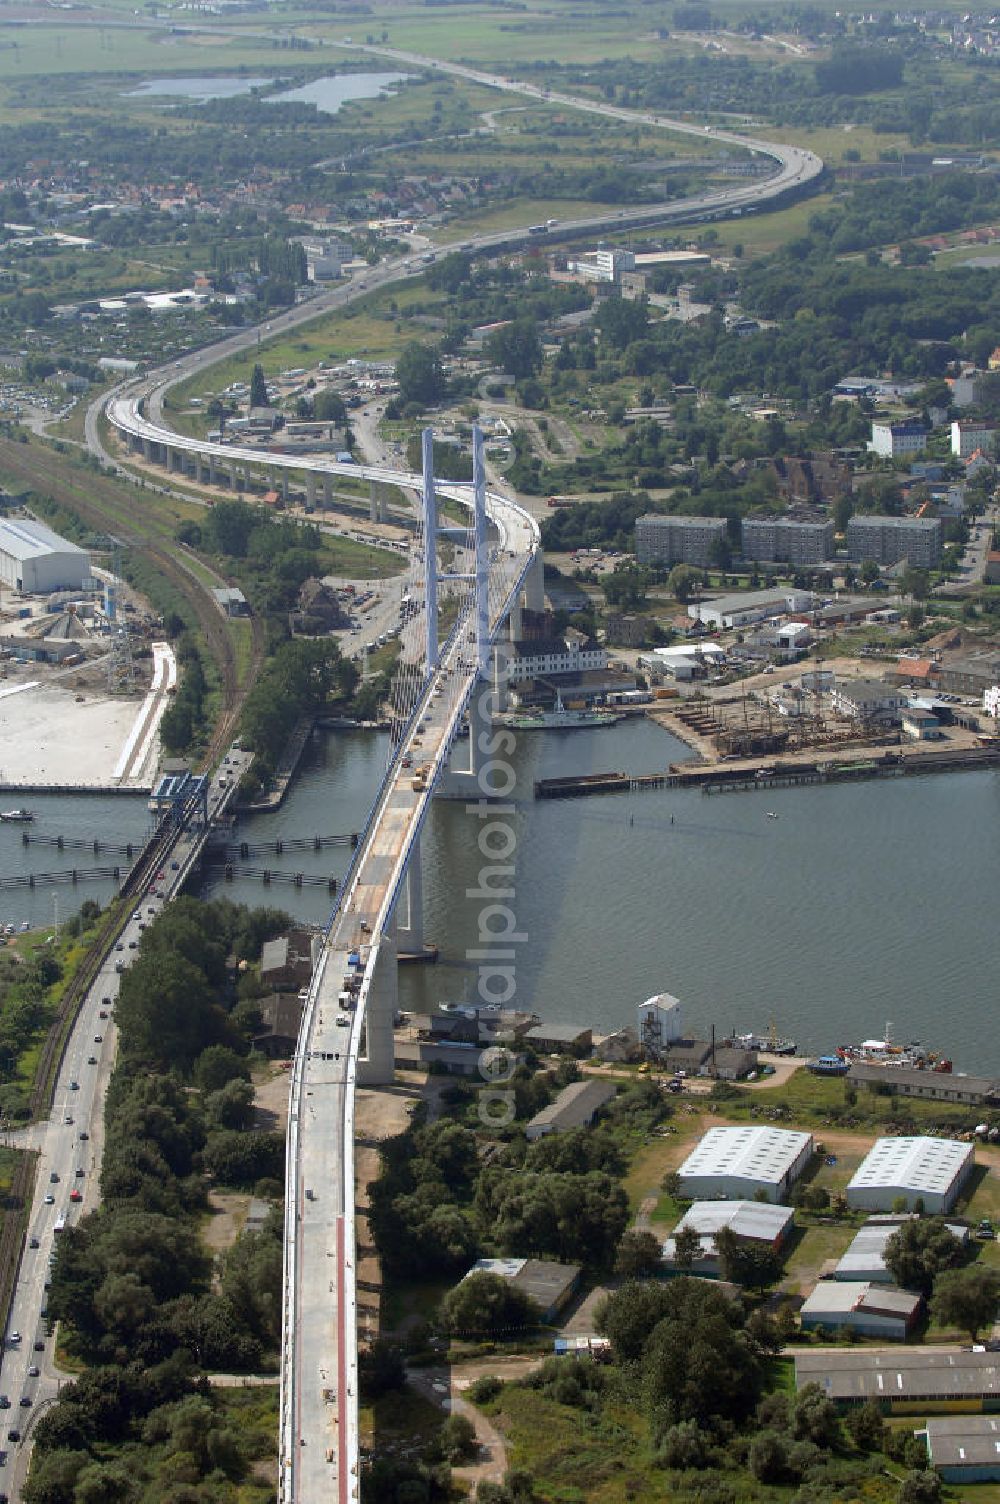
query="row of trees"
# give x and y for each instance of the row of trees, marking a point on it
(143, 1304)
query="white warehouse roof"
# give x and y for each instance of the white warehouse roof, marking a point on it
(751, 1153)
(23, 538)
(758, 1220)
(921, 1166)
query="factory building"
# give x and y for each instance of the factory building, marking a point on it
(735, 1163)
(964, 1448)
(869, 1310)
(865, 1258)
(36, 560)
(929, 1170)
(576, 1106)
(752, 1221)
(548, 1284)
(910, 1381)
(659, 1023)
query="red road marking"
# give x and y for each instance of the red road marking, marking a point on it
(342, 1409)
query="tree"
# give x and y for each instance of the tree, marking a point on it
(420, 374)
(258, 387)
(457, 1439)
(915, 583)
(745, 1261)
(966, 1298)
(516, 349)
(684, 581)
(687, 1248)
(486, 1305)
(919, 1251)
(865, 1426)
(920, 1486)
(639, 1253)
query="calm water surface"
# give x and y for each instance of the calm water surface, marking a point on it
(860, 903)
(121, 818)
(329, 93)
(198, 89)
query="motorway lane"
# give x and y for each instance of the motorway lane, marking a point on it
(320, 1440)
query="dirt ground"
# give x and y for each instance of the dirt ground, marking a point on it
(227, 1216)
(271, 1099)
(380, 1113)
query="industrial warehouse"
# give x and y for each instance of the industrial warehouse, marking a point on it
(34, 559)
(930, 1171)
(739, 1163)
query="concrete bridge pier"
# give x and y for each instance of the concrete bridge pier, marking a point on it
(534, 584)
(328, 490)
(410, 936)
(375, 1067)
(311, 490)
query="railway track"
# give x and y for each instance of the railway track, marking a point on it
(101, 502)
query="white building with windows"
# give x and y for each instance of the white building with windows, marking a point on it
(967, 436)
(572, 653)
(991, 700)
(890, 439)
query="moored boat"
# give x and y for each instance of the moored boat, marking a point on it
(11, 815)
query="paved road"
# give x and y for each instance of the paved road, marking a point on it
(70, 1144)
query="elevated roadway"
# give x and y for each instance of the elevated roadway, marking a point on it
(338, 1045)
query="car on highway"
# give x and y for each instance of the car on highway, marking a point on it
(50, 1200)
(68, 1118)
(14, 1434)
(91, 1059)
(39, 1346)
(25, 1401)
(98, 1038)
(80, 1172)
(4, 1402)
(54, 1178)
(75, 1195)
(33, 1243)
(83, 1137)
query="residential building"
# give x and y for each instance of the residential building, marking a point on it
(287, 962)
(678, 540)
(903, 1380)
(992, 572)
(991, 700)
(791, 540)
(870, 1310)
(576, 1106)
(932, 1086)
(968, 435)
(551, 1038)
(865, 1258)
(739, 610)
(921, 725)
(889, 540)
(891, 438)
(751, 1221)
(324, 258)
(867, 700)
(736, 1163)
(35, 559)
(907, 1170)
(964, 1448)
(627, 631)
(548, 1284)
(280, 1017)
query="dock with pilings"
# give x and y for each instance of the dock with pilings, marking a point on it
(718, 778)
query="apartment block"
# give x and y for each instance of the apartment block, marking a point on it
(789, 540)
(888, 540)
(677, 540)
